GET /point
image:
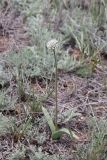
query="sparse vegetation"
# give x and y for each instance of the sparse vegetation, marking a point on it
(53, 80)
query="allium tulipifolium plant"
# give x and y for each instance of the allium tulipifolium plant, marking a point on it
(56, 132)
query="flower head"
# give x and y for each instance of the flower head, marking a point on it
(52, 44)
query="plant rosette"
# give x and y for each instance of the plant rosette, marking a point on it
(56, 132)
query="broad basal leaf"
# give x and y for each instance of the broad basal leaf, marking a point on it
(58, 133)
(49, 120)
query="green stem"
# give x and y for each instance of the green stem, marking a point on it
(56, 91)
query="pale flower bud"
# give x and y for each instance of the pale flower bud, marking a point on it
(52, 44)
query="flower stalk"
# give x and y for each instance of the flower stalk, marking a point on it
(56, 89)
(52, 45)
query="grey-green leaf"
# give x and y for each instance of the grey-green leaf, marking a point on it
(59, 132)
(49, 120)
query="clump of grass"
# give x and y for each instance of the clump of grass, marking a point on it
(6, 124)
(95, 148)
